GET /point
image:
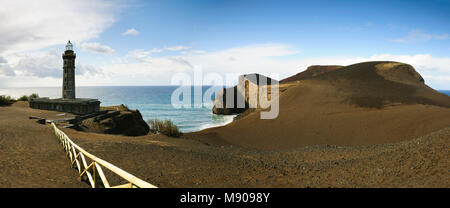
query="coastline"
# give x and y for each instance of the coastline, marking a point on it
(227, 120)
(151, 101)
(54, 92)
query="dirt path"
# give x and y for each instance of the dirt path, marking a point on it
(30, 155)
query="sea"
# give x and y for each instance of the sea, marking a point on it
(447, 92)
(151, 101)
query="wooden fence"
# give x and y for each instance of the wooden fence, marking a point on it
(92, 172)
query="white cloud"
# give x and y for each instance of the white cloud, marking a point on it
(29, 25)
(145, 55)
(143, 69)
(41, 65)
(177, 48)
(36, 64)
(139, 67)
(264, 59)
(419, 36)
(139, 55)
(96, 48)
(157, 50)
(3, 60)
(172, 48)
(131, 31)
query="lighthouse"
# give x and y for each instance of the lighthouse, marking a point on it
(68, 103)
(68, 89)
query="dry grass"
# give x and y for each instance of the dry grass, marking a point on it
(120, 107)
(166, 127)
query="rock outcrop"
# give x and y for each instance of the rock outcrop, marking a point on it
(116, 120)
(244, 95)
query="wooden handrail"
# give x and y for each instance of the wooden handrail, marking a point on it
(94, 169)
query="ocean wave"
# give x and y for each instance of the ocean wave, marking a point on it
(224, 120)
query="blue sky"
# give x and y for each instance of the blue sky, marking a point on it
(320, 27)
(221, 36)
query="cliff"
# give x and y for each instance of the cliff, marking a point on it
(244, 95)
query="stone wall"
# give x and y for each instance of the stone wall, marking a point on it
(75, 106)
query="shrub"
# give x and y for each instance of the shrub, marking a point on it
(28, 98)
(164, 127)
(23, 98)
(6, 100)
(32, 96)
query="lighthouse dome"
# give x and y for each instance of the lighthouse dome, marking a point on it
(69, 46)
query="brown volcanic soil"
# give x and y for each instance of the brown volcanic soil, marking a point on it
(30, 154)
(168, 162)
(32, 157)
(362, 104)
(310, 72)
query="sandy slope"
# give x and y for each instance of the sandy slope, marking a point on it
(33, 158)
(362, 104)
(30, 154)
(311, 71)
(314, 120)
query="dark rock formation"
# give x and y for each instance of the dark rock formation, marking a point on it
(247, 90)
(227, 111)
(116, 121)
